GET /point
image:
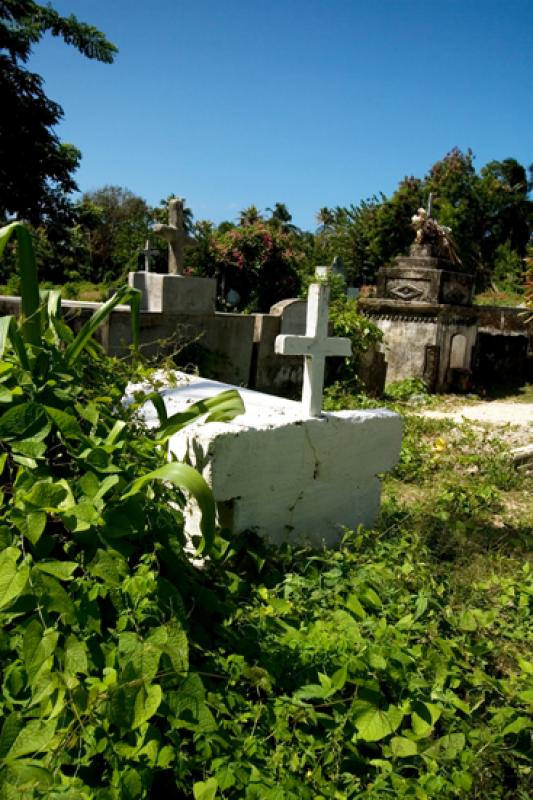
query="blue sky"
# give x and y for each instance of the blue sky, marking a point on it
(308, 102)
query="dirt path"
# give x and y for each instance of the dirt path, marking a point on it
(513, 420)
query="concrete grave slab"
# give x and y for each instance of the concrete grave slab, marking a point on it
(274, 470)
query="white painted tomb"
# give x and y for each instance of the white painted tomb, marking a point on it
(282, 469)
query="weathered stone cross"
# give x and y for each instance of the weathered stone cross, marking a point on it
(148, 252)
(175, 236)
(315, 346)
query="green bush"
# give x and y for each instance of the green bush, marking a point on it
(89, 616)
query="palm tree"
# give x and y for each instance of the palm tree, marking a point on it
(249, 216)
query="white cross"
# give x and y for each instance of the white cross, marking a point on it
(315, 346)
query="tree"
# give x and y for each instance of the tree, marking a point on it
(490, 214)
(115, 225)
(508, 212)
(36, 169)
(281, 218)
(254, 262)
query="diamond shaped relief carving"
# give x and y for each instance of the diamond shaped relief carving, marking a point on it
(406, 292)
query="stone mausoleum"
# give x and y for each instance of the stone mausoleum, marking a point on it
(423, 306)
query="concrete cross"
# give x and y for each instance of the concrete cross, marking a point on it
(315, 346)
(175, 235)
(148, 252)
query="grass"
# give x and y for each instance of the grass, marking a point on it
(72, 290)
(499, 297)
(431, 607)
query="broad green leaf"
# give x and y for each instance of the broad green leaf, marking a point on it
(13, 577)
(89, 484)
(46, 496)
(190, 696)
(131, 784)
(339, 678)
(125, 294)
(221, 408)
(447, 746)
(370, 597)
(185, 477)
(10, 730)
(352, 604)
(63, 570)
(26, 772)
(75, 660)
(105, 486)
(177, 646)
(116, 432)
(147, 701)
(29, 284)
(6, 396)
(31, 524)
(37, 648)
(517, 726)
(32, 448)
(374, 723)
(81, 516)
(314, 691)
(143, 660)
(9, 332)
(33, 738)
(402, 747)
(467, 621)
(376, 659)
(23, 421)
(67, 425)
(53, 595)
(159, 405)
(89, 411)
(526, 696)
(108, 566)
(205, 790)
(462, 779)
(423, 717)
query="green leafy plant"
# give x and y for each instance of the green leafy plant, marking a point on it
(363, 335)
(91, 554)
(398, 665)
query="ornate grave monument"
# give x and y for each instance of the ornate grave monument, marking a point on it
(423, 306)
(431, 273)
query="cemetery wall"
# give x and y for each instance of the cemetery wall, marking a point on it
(440, 344)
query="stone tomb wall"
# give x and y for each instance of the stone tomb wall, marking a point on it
(447, 346)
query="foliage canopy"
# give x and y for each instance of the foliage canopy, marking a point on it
(36, 169)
